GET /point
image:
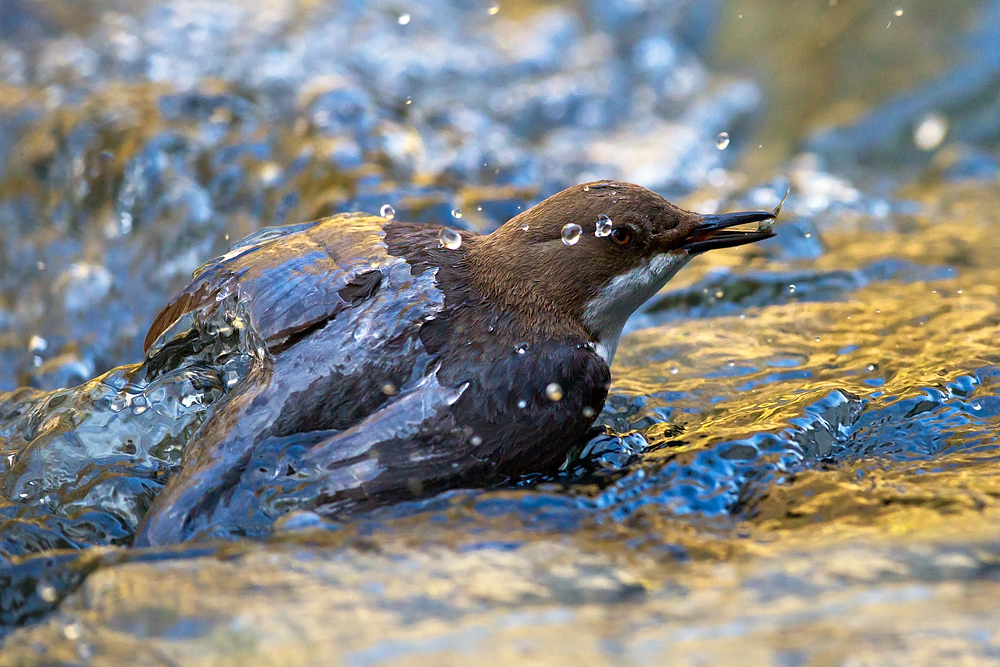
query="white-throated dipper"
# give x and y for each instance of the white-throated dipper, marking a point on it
(403, 359)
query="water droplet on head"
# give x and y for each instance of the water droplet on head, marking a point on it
(524, 227)
(522, 348)
(387, 212)
(389, 389)
(553, 391)
(674, 370)
(456, 213)
(604, 225)
(522, 404)
(871, 367)
(588, 411)
(449, 238)
(722, 141)
(791, 289)
(571, 233)
(475, 441)
(403, 19)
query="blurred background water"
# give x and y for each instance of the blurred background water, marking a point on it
(800, 465)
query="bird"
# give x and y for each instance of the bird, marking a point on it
(397, 360)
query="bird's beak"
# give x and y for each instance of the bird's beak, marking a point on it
(713, 231)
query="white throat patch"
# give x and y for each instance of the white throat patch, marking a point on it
(604, 315)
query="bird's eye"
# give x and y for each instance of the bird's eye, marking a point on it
(621, 236)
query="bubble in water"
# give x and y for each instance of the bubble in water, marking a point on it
(403, 19)
(449, 238)
(524, 227)
(456, 213)
(571, 233)
(588, 412)
(522, 404)
(604, 225)
(494, 9)
(930, 132)
(387, 212)
(553, 391)
(722, 141)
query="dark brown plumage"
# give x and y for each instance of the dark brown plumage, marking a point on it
(397, 366)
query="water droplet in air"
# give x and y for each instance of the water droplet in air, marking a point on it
(387, 212)
(586, 188)
(403, 19)
(816, 339)
(449, 238)
(719, 294)
(588, 412)
(389, 389)
(553, 391)
(722, 141)
(494, 9)
(522, 348)
(37, 344)
(791, 289)
(46, 592)
(571, 233)
(871, 367)
(72, 631)
(604, 225)
(522, 404)
(524, 227)
(930, 132)
(899, 11)
(456, 213)
(475, 441)
(674, 370)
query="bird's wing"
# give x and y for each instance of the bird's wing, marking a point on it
(290, 279)
(341, 342)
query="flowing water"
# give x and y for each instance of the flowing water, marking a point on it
(800, 464)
